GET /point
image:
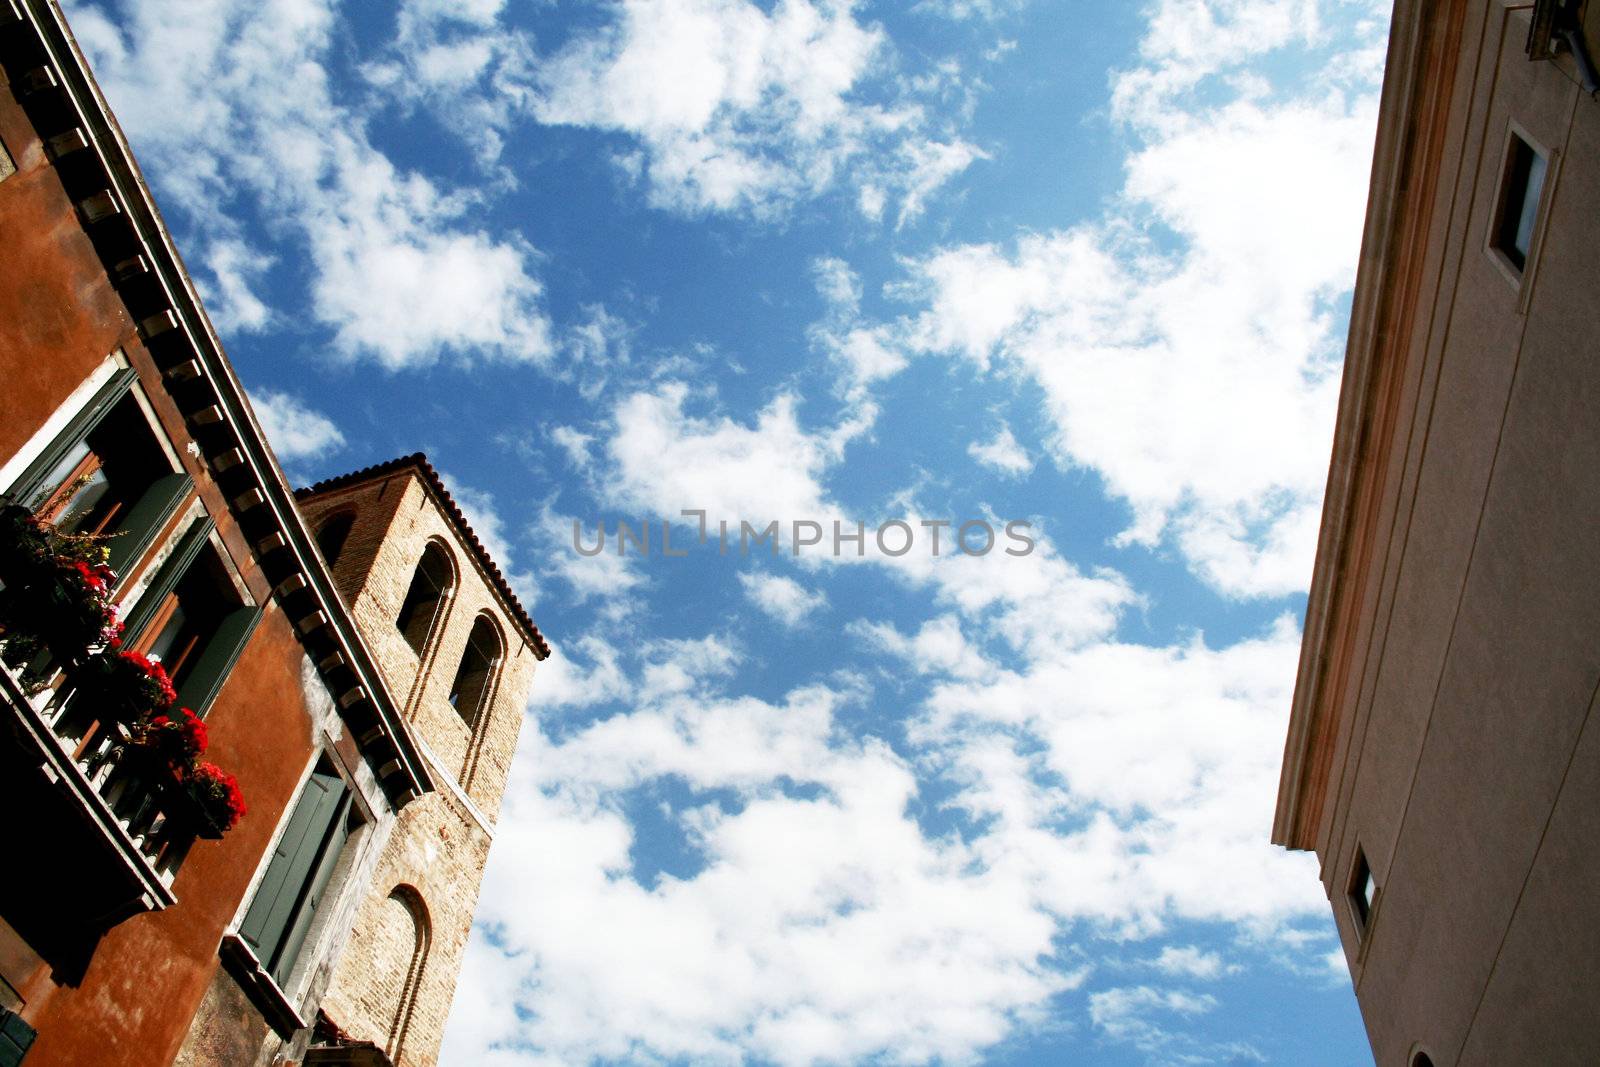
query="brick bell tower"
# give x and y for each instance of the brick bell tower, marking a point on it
(458, 653)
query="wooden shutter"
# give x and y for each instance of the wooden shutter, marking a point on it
(298, 850)
(315, 888)
(217, 658)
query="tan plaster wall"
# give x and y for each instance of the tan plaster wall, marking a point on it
(1470, 775)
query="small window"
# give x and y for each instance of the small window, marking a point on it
(478, 662)
(1363, 891)
(333, 533)
(1422, 1059)
(1519, 201)
(420, 609)
(300, 871)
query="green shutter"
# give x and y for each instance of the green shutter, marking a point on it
(298, 849)
(316, 886)
(217, 659)
(138, 530)
(80, 427)
(16, 1037)
(167, 578)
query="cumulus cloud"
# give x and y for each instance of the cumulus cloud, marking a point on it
(295, 431)
(1003, 454)
(397, 272)
(1186, 344)
(781, 598)
(737, 107)
(1189, 961)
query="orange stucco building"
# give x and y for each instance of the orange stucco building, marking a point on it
(1443, 760)
(137, 927)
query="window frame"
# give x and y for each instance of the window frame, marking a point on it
(216, 656)
(1519, 277)
(145, 516)
(324, 837)
(491, 672)
(1361, 894)
(441, 603)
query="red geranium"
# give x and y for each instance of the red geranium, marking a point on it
(148, 679)
(177, 740)
(217, 793)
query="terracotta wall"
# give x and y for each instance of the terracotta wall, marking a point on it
(59, 319)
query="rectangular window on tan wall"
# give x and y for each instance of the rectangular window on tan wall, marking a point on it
(1521, 188)
(1362, 893)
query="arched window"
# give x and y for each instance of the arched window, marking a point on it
(1422, 1059)
(471, 687)
(332, 534)
(429, 585)
(407, 908)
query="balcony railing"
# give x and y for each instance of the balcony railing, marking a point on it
(127, 821)
(91, 769)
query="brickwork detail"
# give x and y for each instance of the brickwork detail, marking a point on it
(396, 979)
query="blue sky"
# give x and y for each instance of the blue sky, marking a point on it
(1085, 266)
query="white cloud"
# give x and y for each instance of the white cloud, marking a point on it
(606, 574)
(1125, 1014)
(396, 271)
(819, 929)
(295, 431)
(784, 599)
(1003, 454)
(666, 460)
(1198, 380)
(740, 109)
(1189, 961)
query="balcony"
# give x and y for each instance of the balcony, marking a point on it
(100, 808)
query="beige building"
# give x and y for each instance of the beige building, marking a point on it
(1442, 760)
(458, 652)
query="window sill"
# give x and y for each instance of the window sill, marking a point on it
(241, 962)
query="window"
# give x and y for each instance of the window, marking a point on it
(1362, 892)
(1519, 201)
(430, 583)
(299, 873)
(333, 533)
(478, 661)
(107, 473)
(192, 619)
(1422, 1059)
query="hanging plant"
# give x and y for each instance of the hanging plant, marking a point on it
(216, 796)
(55, 604)
(173, 741)
(123, 686)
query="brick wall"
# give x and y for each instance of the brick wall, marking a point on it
(436, 855)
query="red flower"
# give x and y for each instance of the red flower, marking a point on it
(218, 793)
(158, 687)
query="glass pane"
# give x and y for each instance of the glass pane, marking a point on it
(1532, 183)
(87, 504)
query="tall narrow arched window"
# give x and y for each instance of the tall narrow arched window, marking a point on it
(429, 584)
(333, 533)
(471, 687)
(405, 907)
